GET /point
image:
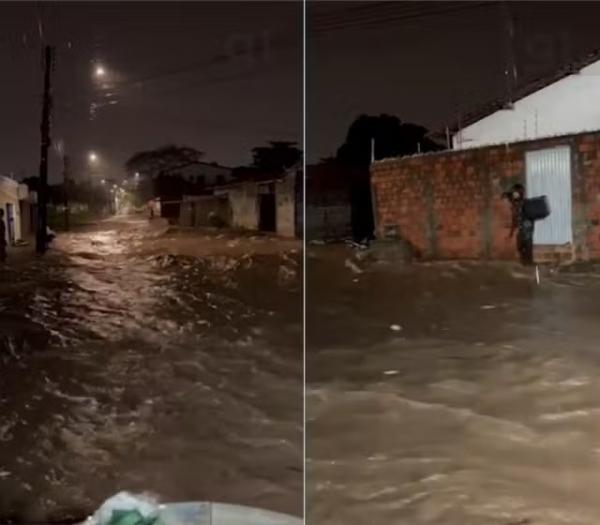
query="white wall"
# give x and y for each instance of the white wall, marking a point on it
(244, 206)
(285, 198)
(208, 171)
(10, 191)
(571, 105)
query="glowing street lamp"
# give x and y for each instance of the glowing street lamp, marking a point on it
(100, 71)
(93, 157)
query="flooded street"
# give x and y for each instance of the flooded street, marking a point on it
(126, 368)
(451, 394)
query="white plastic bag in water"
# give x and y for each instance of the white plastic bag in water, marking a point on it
(140, 510)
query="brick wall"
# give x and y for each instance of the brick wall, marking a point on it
(449, 205)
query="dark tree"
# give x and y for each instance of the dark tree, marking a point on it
(276, 157)
(32, 183)
(160, 170)
(392, 139)
(166, 160)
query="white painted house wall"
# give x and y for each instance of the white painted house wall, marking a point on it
(11, 192)
(570, 105)
(209, 172)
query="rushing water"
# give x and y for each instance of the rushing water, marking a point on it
(481, 405)
(122, 371)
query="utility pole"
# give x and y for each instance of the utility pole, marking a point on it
(66, 190)
(41, 237)
(511, 65)
(372, 150)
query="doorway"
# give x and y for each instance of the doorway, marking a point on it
(267, 209)
(549, 174)
(10, 223)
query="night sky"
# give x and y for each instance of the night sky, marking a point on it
(427, 62)
(176, 73)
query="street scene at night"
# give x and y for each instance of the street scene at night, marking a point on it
(452, 177)
(331, 262)
(151, 263)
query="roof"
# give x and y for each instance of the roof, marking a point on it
(507, 145)
(525, 90)
(249, 174)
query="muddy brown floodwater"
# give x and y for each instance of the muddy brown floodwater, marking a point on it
(127, 370)
(481, 406)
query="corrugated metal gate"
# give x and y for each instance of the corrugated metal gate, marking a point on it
(549, 173)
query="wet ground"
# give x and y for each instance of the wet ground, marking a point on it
(126, 368)
(451, 394)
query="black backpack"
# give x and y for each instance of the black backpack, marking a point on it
(536, 208)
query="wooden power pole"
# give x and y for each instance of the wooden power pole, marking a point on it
(41, 237)
(511, 64)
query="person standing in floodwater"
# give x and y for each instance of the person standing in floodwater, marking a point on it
(151, 209)
(521, 224)
(2, 237)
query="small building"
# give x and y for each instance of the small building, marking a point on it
(546, 137)
(19, 209)
(449, 204)
(199, 178)
(200, 211)
(266, 202)
(206, 174)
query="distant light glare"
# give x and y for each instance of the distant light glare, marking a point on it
(100, 71)
(93, 157)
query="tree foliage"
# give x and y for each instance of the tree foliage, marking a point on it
(392, 138)
(275, 157)
(165, 160)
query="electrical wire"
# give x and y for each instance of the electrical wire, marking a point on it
(368, 23)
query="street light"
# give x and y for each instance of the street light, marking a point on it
(100, 71)
(93, 157)
(103, 181)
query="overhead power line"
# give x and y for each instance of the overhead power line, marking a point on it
(365, 22)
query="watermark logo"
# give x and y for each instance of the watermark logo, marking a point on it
(248, 51)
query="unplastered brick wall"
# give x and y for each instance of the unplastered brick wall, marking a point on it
(586, 195)
(449, 205)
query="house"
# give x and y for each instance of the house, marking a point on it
(561, 104)
(200, 211)
(206, 175)
(265, 202)
(199, 178)
(449, 204)
(19, 209)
